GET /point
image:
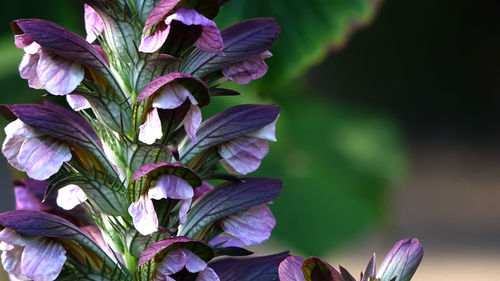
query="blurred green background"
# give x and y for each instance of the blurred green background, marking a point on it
(359, 82)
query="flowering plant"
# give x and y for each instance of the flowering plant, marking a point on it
(119, 186)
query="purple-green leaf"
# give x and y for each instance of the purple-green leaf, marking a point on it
(241, 41)
(227, 199)
(249, 269)
(231, 123)
(162, 168)
(159, 249)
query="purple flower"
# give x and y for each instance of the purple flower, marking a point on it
(168, 92)
(161, 18)
(167, 186)
(33, 152)
(31, 258)
(245, 71)
(401, 261)
(44, 70)
(180, 258)
(94, 25)
(399, 265)
(243, 155)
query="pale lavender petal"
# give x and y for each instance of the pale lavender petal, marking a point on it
(58, 75)
(193, 262)
(175, 187)
(223, 241)
(94, 25)
(173, 262)
(10, 149)
(268, 132)
(41, 157)
(291, 269)
(77, 102)
(192, 122)
(33, 48)
(10, 237)
(26, 200)
(11, 260)
(153, 42)
(199, 191)
(151, 130)
(43, 259)
(245, 71)
(183, 210)
(252, 226)
(144, 216)
(243, 155)
(27, 70)
(172, 96)
(70, 196)
(157, 192)
(22, 40)
(210, 39)
(16, 133)
(207, 274)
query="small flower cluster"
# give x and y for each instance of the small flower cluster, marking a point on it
(120, 187)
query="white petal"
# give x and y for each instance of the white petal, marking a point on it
(252, 226)
(11, 261)
(70, 196)
(193, 262)
(192, 122)
(43, 260)
(153, 42)
(175, 187)
(59, 76)
(144, 215)
(185, 205)
(173, 262)
(267, 132)
(41, 157)
(172, 96)
(77, 102)
(243, 155)
(151, 130)
(207, 275)
(93, 23)
(27, 70)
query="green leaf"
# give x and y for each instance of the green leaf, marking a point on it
(228, 199)
(86, 273)
(310, 28)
